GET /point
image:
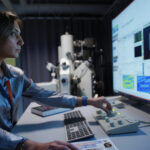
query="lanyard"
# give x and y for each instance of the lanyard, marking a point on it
(9, 95)
(7, 83)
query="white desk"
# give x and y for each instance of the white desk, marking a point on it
(51, 128)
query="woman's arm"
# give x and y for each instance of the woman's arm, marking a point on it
(99, 102)
(9, 141)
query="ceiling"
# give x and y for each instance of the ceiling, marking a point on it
(38, 8)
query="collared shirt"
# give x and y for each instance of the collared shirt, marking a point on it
(23, 86)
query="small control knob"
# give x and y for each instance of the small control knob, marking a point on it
(99, 112)
(113, 102)
(112, 124)
(120, 122)
(107, 119)
(111, 114)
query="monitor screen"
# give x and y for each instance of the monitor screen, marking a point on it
(131, 50)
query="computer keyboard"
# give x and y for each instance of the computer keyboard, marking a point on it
(116, 122)
(76, 126)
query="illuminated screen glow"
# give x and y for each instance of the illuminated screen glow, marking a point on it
(131, 50)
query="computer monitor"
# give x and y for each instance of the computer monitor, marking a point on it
(131, 50)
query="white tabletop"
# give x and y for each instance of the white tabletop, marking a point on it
(45, 129)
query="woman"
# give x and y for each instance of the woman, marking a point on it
(14, 84)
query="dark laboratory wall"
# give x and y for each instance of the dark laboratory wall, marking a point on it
(42, 37)
(107, 56)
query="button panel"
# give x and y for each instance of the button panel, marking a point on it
(115, 122)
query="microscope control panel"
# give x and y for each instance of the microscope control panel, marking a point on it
(115, 122)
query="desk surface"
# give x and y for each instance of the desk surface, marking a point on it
(52, 128)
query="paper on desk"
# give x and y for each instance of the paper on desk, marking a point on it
(100, 144)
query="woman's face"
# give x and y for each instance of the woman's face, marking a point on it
(11, 47)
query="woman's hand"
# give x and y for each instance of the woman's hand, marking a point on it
(54, 145)
(100, 102)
